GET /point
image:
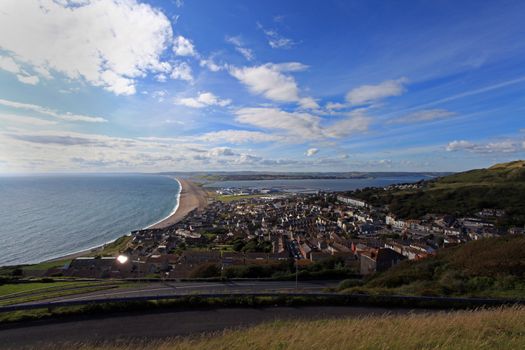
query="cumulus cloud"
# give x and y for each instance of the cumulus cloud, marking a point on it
(504, 146)
(8, 64)
(334, 106)
(204, 99)
(311, 152)
(269, 81)
(302, 124)
(424, 116)
(308, 103)
(210, 64)
(183, 47)
(181, 71)
(295, 123)
(51, 112)
(370, 93)
(28, 79)
(220, 151)
(353, 123)
(107, 43)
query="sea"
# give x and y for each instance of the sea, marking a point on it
(45, 217)
(48, 216)
(313, 185)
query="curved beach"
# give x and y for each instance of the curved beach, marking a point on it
(191, 197)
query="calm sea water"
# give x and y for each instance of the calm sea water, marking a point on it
(317, 184)
(43, 217)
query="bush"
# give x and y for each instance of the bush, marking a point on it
(349, 283)
(206, 271)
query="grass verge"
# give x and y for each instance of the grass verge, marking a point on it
(502, 328)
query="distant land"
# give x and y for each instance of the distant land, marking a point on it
(501, 186)
(254, 176)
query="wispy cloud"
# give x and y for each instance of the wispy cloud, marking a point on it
(423, 116)
(369, 93)
(51, 112)
(276, 40)
(503, 146)
(240, 47)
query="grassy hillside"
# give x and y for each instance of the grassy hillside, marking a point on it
(486, 329)
(501, 186)
(492, 267)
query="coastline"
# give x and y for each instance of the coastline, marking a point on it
(190, 197)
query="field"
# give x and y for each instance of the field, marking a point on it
(502, 328)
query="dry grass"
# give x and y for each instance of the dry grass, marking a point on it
(502, 328)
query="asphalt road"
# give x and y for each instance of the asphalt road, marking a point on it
(192, 288)
(161, 325)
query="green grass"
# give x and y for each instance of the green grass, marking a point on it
(499, 187)
(11, 294)
(7, 289)
(46, 265)
(502, 328)
(491, 267)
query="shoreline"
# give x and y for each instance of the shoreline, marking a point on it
(190, 197)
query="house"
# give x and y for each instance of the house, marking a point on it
(379, 261)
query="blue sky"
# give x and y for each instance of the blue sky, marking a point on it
(125, 85)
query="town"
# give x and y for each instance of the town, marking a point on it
(271, 228)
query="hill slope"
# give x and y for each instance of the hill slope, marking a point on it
(485, 329)
(501, 186)
(491, 267)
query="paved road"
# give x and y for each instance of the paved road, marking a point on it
(178, 288)
(146, 327)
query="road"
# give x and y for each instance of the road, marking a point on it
(192, 288)
(161, 325)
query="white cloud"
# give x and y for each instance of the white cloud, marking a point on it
(239, 136)
(221, 151)
(181, 71)
(311, 152)
(9, 64)
(28, 79)
(354, 123)
(370, 93)
(308, 103)
(47, 111)
(239, 47)
(161, 78)
(19, 119)
(108, 43)
(210, 64)
(334, 106)
(298, 124)
(276, 40)
(424, 116)
(504, 146)
(302, 125)
(204, 99)
(183, 47)
(159, 95)
(267, 80)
